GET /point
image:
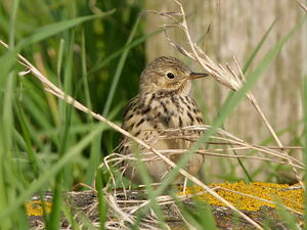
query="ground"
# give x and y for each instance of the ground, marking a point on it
(257, 200)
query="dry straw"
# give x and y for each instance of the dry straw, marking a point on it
(226, 76)
(53, 89)
(302, 5)
(231, 78)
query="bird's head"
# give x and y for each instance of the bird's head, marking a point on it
(168, 74)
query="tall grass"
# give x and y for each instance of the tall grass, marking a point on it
(39, 135)
(94, 53)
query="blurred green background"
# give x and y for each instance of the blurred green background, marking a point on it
(83, 60)
(80, 48)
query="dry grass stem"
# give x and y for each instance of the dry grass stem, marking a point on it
(170, 152)
(51, 88)
(222, 74)
(302, 5)
(219, 145)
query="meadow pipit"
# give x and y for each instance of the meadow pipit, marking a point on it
(163, 102)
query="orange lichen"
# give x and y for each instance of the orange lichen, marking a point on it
(35, 207)
(252, 196)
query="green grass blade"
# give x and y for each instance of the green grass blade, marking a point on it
(51, 172)
(304, 136)
(12, 23)
(287, 218)
(147, 180)
(55, 28)
(258, 47)
(7, 168)
(75, 130)
(7, 61)
(245, 67)
(119, 69)
(102, 208)
(230, 104)
(103, 62)
(205, 217)
(60, 60)
(66, 112)
(69, 215)
(57, 202)
(34, 162)
(84, 74)
(200, 216)
(95, 154)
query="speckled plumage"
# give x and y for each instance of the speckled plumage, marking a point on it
(163, 102)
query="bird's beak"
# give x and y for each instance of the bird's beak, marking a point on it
(194, 75)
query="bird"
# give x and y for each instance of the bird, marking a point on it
(163, 102)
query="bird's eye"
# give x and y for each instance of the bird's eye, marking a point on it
(170, 75)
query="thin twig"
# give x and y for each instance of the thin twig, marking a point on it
(302, 5)
(51, 88)
(225, 76)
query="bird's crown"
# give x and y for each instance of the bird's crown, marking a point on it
(167, 74)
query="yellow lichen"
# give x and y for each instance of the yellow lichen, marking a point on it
(35, 207)
(256, 192)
